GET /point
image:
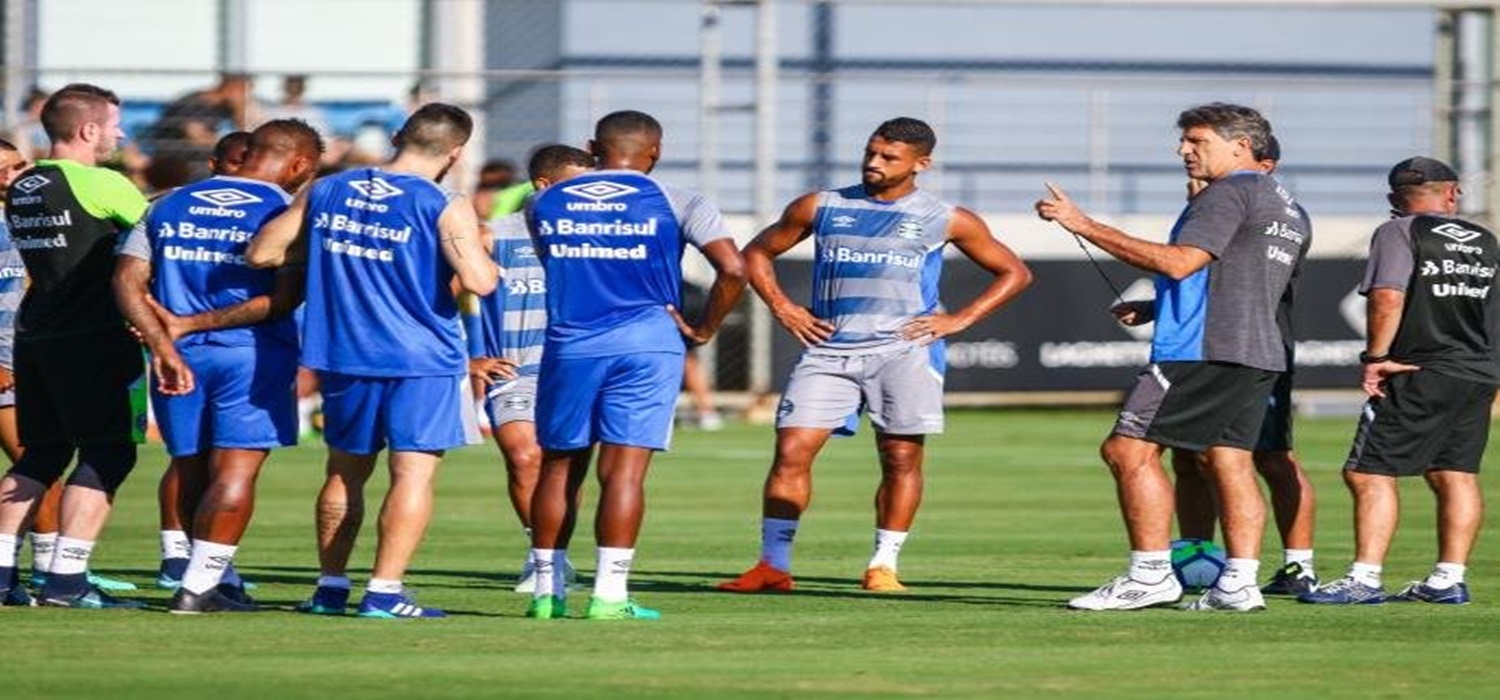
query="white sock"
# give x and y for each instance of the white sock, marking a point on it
(611, 577)
(383, 585)
(887, 548)
(71, 556)
(207, 564)
(544, 564)
(175, 545)
(1238, 574)
(1368, 574)
(334, 582)
(306, 406)
(8, 546)
(1150, 566)
(43, 546)
(1445, 575)
(1299, 556)
(776, 535)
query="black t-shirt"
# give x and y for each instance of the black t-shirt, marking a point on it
(1446, 267)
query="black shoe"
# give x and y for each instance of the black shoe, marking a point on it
(186, 602)
(1292, 580)
(235, 593)
(17, 597)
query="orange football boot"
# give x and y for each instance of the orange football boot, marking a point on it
(761, 577)
(881, 579)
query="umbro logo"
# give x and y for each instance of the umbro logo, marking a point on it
(1134, 594)
(376, 189)
(600, 190)
(843, 221)
(31, 183)
(227, 197)
(909, 229)
(1456, 232)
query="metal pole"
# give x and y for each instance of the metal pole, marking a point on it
(1444, 85)
(820, 106)
(1471, 113)
(19, 21)
(710, 79)
(765, 178)
(233, 24)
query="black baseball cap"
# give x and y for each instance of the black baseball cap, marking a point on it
(1420, 171)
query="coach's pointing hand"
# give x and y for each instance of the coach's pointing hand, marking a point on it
(1059, 208)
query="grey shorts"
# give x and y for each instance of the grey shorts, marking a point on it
(1197, 405)
(510, 401)
(902, 391)
(7, 398)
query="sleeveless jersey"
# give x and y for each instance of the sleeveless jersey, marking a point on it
(1449, 306)
(876, 266)
(12, 286)
(197, 236)
(611, 246)
(514, 318)
(379, 300)
(66, 219)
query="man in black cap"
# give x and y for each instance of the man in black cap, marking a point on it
(1430, 375)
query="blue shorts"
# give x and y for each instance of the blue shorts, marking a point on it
(625, 400)
(245, 398)
(413, 414)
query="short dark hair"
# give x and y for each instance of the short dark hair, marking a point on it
(230, 140)
(1230, 121)
(626, 122)
(549, 161)
(74, 105)
(304, 138)
(908, 130)
(434, 129)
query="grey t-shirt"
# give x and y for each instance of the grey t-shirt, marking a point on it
(1226, 311)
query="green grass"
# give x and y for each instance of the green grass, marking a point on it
(1019, 516)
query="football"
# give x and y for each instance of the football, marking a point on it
(1197, 563)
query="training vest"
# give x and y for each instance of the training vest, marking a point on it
(198, 236)
(876, 266)
(1449, 304)
(514, 318)
(379, 300)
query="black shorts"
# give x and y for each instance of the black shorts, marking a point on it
(1426, 421)
(74, 391)
(1197, 405)
(1276, 429)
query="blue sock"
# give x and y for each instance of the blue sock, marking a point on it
(175, 567)
(10, 576)
(66, 585)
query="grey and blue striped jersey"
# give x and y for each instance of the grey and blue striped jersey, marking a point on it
(877, 266)
(12, 288)
(514, 319)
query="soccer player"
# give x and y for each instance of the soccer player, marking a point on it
(1430, 375)
(1292, 495)
(513, 331)
(381, 329)
(12, 286)
(223, 344)
(178, 493)
(75, 363)
(1216, 353)
(611, 245)
(874, 338)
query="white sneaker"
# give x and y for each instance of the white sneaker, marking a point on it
(1126, 593)
(1243, 599)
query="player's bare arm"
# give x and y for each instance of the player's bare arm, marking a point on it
(1175, 261)
(272, 245)
(131, 282)
(729, 284)
(458, 229)
(283, 299)
(794, 225)
(1383, 309)
(972, 236)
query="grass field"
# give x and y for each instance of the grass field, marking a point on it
(1019, 516)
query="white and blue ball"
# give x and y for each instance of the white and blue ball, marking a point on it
(1197, 563)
